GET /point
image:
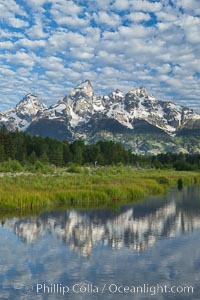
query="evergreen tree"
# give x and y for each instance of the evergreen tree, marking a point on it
(32, 157)
(2, 153)
(67, 157)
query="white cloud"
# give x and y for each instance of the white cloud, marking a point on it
(6, 34)
(191, 27)
(63, 39)
(165, 68)
(29, 44)
(191, 7)
(36, 3)
(17, 23)
(99, 5)
(52, 63)
(66, 12)
(147, 6)
(6, 45)
(72, 21)
(10, 11)
(85, 54)
(5, 71)
(111, 20)
(93, 35)
(139, 17)
(167, 16)
(135, 31)
(80, 66)
(65, 7)
(37, 31)
(121, 5)
(10, 8)
(36, 6)
(20, 58)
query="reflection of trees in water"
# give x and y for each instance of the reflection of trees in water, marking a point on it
(135, 227)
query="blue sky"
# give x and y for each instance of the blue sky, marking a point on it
(49, 46)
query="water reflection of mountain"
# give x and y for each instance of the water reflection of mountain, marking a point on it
(136, 227)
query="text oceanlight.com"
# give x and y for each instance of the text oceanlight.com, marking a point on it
(111, 288)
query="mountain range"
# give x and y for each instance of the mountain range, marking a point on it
(139, 120)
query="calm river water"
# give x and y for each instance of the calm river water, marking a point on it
(149, 250)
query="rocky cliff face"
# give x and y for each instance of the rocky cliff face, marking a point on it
(83, 114)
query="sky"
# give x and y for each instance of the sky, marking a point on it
(47, 47)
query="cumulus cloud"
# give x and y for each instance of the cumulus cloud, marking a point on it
(6, 45)
(139, 17)
(111, 20)
(67, 13)
(20, 58)
(147, 6)
(62, 40)
(29, 44)
(191, 27)
(37, 2)
(5, 70)
(65, 7)
(37, 31)
(191, 7)
(71, 21)
(17, 23)
(11, 8)
(121, 5)
(82, 54)
(99, 5)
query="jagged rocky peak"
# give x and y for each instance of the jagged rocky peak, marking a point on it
(151, 97)
(116, 95)
(76, 114)
(82, 99)
(140, 92)
(30, 105)
(84, 89)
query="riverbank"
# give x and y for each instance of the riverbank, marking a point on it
(104, 187)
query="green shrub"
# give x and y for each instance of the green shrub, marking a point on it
(163, 180)
(38, 166)
(74, 168)
(10, 166)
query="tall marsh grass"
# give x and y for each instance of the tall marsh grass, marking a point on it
(105, 187)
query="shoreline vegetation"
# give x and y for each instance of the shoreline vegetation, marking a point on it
(41, 173)
(86, 187)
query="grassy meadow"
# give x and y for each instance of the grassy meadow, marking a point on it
(84, 187)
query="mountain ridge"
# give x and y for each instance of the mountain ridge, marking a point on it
(85, 115)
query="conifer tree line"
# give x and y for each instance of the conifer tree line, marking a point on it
(27, 149)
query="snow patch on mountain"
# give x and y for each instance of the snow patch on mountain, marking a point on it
(82, 105)
(21, 116)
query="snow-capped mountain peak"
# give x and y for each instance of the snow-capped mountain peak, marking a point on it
(30, 105)
(21, 116)
(83, 89)
(83, 114)
(140, 92)
(116, 95)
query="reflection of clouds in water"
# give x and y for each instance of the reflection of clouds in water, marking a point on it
(159, 265)
(14, 268)
(111, 243)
